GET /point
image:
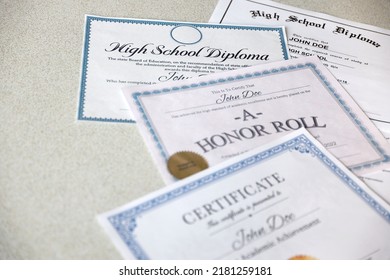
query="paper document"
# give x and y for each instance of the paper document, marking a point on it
(221, 115)
(289, 199)
(380, 182)
(126, 52)
(357, 54)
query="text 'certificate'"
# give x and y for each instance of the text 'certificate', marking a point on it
(290, 199)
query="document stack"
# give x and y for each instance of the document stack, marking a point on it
(269, 125)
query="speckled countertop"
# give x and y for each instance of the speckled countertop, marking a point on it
(57, 173)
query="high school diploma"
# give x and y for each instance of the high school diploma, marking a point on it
(357, 54)
(122, 52)
(198, 123)
(290, 199)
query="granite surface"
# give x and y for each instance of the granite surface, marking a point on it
(57, 173)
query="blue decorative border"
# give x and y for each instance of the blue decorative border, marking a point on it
(365, 132)
(125, 222)
(85, 60)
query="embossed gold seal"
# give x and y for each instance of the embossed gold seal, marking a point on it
(184, 164)
(302, 257)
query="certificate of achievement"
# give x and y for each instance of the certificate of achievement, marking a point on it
(224, 114)
(357, 54)
(125, 52)
(289, 199)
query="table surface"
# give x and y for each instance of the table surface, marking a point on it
(57, 173)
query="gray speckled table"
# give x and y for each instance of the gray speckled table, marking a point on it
(57, 173)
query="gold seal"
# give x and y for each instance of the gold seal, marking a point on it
(184, 164)
(302, 257)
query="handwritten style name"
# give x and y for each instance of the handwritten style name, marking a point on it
(272, 223)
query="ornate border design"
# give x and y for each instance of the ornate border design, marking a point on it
(125, 222)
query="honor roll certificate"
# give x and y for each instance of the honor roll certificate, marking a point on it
(357, 54)
(224, 114)
(126, 52)
(289, 199)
